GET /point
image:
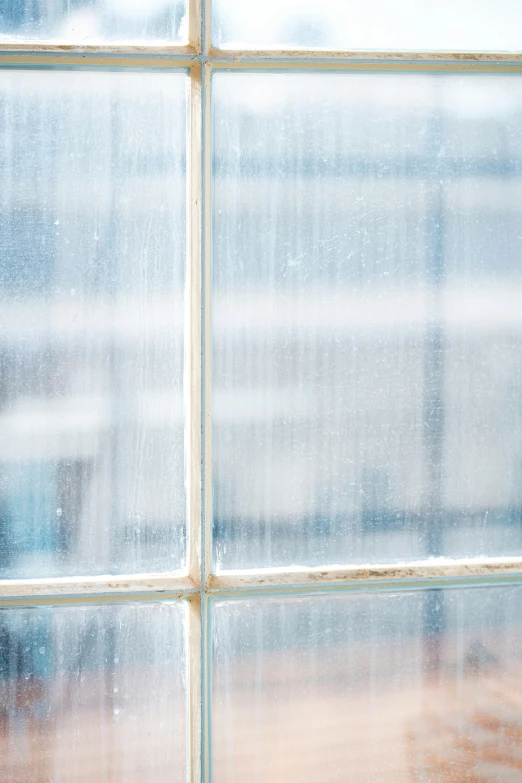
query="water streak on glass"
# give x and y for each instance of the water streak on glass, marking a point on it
(366, 319)
(378, 25)
(93, 693)
(405, 687)
(92, 259)
(93, 21)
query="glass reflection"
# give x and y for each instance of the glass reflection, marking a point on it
(93, 693)
(418, 687)
(367, 344)
(378, 25)
(92, 258)
(93, 21)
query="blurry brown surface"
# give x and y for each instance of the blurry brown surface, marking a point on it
(91, 743)
(451, 724)
(480, 744)
(468, 732)
(431, 745)
(451, 727)
(93, 694)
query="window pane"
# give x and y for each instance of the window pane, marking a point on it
(378, 25)
(93, 21)
(93, 693)
(367, 330)
(92, 258)
(418, 686)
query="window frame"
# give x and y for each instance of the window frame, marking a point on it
(198, 586)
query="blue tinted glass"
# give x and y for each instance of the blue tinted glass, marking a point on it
(92, 260)
(93, 21)
(93, 693)
(366, 320)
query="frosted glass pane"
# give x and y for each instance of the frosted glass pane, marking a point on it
(93, 693)
(93, 21)
(92, 259)
(366, 319)
(421, 687)
(379, 25)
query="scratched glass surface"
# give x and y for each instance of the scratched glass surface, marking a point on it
(378, 25)
(366, 319)
(92, 258)
(93, 693)
(93, 21)
(421, 687)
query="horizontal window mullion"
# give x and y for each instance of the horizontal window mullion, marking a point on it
(186, 56)
(89, 49)
(397, 61)
(105, 58)
(427, 571)
(96, 588)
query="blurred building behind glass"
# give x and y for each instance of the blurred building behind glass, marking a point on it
(367, 351)
(366, 317)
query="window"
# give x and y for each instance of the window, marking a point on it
(260, 391)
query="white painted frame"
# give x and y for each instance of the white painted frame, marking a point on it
(198, 584)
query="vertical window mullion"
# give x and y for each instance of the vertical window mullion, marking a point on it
(194, 332)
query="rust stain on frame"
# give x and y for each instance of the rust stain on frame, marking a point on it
(429, 569)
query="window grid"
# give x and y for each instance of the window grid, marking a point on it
(198, 585)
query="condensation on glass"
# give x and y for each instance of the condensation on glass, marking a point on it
(403, 686)
(378, 25)
(93, 21)
(93, 693)
(92, 260)
(366, 319)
